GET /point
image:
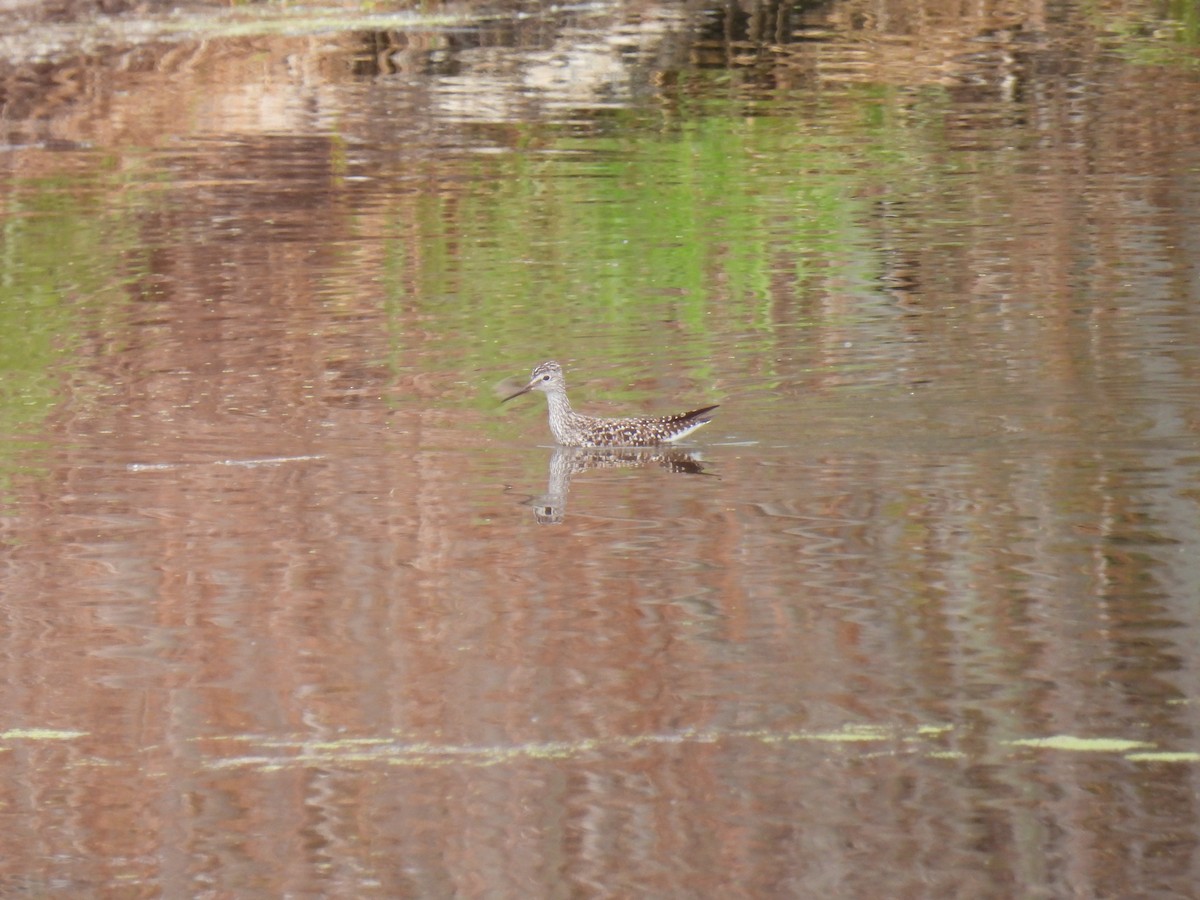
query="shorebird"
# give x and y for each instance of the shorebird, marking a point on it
(574, 430)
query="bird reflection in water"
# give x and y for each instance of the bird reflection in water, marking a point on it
(567, 462)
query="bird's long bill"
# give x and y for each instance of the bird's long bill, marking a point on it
(524, 390)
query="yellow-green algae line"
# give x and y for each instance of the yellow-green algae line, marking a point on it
(299, 752)
(40, 734)
(390, 751)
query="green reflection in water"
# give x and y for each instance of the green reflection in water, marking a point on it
(39, 265)
(598, 241)
(57, 258)
(1156, 36)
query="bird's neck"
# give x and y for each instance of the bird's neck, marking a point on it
(560, 414)
(558, 402)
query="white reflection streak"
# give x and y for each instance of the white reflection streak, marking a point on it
(241, 463)
(300, 752)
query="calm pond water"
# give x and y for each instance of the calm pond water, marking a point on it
(292, 606)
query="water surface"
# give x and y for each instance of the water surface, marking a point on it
(293, 606)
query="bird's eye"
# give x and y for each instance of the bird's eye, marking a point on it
(546, 377)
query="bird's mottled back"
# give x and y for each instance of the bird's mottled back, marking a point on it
(637, 431)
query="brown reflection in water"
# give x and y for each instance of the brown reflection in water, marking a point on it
(272, 540)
